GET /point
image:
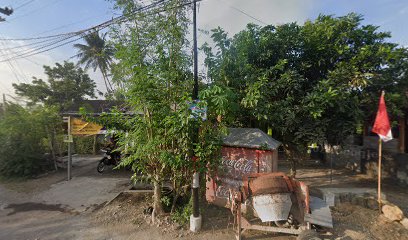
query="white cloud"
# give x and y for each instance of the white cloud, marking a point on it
(232, 16)
(224, 13)
(22, 69)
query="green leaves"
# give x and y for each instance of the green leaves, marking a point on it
(24, 139)
(307, 82)
(66, 84)
(154, 66)
(96, 53)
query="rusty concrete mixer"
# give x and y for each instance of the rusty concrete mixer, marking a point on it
(260, 197)
(271, 198)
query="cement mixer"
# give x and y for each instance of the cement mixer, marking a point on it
(272, 198)
(260, 197)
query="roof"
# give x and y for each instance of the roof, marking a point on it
(250, 138)
(93, 107)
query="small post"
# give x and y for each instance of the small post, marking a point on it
(69, 149)
(379, 173)
(331, 165)
(239, 227)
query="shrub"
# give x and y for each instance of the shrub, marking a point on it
(23, 137)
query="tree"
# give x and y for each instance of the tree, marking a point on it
(394, 81)
(66, 85)
(96, 53)
(24, 136)
(154, 66)
(306, 82)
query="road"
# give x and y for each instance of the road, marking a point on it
(50, 207)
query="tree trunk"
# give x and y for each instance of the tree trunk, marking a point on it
(51, 144)
(292, 161)
(59, 147)
(293, 168)
(157, 206)
(94, 144)
(175, 197)
(105, 78)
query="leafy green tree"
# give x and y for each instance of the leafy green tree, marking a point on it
(96, 53)
(307, 82)
(25, 138)
(394, 81)
(154, 66)
(66, 84)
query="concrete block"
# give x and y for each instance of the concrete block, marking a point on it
(195, 223)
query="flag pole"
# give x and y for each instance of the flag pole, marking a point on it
(379, 173)
(383, 128)
(379, 164)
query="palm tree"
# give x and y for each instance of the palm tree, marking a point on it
(96, 53)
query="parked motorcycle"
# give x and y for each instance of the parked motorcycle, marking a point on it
(109, 158)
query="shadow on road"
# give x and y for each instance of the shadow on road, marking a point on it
(32, 206)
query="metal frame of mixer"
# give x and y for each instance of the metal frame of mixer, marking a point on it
(300, 196)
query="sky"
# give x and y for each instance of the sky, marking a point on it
(36, 18)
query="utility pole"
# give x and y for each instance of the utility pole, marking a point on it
(68, 139)
(195, 218)
(69, 149)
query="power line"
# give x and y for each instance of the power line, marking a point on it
(82, 34)
(245, 13)
(103, 24)
(41, 37)
(27, 53)
(35, 10)
(6, 89)
(12, 68)
(27, 45)
(24, 4)
(70, 24)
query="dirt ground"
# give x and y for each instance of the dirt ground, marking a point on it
(124, 218)
(356, 222)
(318, 176)
(50, 207)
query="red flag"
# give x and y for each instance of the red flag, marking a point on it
(382, 124)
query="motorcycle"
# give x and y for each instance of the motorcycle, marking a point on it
(109, 158)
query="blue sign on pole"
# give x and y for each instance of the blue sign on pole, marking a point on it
(198, 111)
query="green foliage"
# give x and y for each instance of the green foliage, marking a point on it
(154, 67)
(182, 214)
(310, 83)
(85, 145)
(394, 81)
(96, 53)
(66, 84)
(23, 134)
(221, 101)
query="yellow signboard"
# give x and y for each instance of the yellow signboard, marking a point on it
(80, 127)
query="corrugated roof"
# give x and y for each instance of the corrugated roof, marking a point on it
(250, 138)
(94, 106)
